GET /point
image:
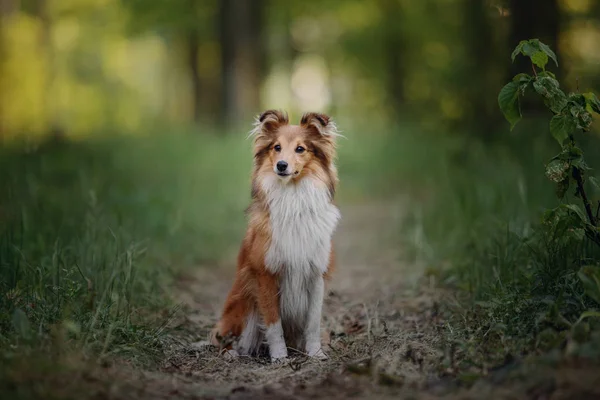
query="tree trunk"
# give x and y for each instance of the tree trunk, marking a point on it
(242, 55)
(53, 125)
(481, 61)
(193, 43)
(395, 49)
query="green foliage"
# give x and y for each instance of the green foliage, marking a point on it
(572, 113)
(92, 234)
(568, 228)
(590, 278)
(560, 126)
(515, 277)
(515, 268)
(171, 18)
(508, 99)
(537, 51)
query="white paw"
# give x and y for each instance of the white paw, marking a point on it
(316, 351)
(278, 353)
(231, 354)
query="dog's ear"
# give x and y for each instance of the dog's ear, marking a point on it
(265, 126)
(268, 122)
(319, 123)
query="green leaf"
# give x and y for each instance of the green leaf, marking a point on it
(565, 224)
(524, 81)
(557, 171)
(592, 102)
(554, 98)
(584, 121)
(574, 151)
(537, 51)
(589, 314)
(530, 48)
(579, 163)
(577, 98)
(518, 49)
(508, 100)
(577, 108)
(547, 73)
(522, 77)
(590, 279)
(594, 182)
(560, 127)
(540, 59)
(548, 51)
(575, 208)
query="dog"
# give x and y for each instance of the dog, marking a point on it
(286, 256)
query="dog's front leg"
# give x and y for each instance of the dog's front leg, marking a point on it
(268, 304)
(312, 333)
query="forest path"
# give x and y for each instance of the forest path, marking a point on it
(378, 324)
(383, 334)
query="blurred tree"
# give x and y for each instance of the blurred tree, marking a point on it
(193, 52)
(242, 55)
(236, 25)
(480, 65)
(7, 7)
(394, 50)
(187, 23)
(41, 9)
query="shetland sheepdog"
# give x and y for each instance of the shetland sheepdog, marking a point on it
(286, 256)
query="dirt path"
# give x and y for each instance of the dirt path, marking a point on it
(379, 324)
(382, 329)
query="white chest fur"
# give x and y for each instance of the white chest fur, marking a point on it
(302, 222)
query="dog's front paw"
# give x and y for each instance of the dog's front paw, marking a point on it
(231, 354)
(316, 351)
(278, 352)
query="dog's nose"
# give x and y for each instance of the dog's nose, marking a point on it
(281, 166)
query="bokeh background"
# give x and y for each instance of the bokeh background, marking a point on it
(79, 67)
(124, 159)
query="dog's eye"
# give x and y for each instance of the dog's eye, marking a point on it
(300, 149)
(277, 148)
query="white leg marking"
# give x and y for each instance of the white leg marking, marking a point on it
(312, 333)
(231, 354)
(250, 338)
(276, 342)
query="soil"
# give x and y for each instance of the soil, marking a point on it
(379, 324)
(382, 331)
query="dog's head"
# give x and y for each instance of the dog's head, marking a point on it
(293, 151)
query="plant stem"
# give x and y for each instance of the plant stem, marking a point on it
(581, 191)
(534, 71)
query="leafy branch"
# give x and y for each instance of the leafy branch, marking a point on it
(572, 114)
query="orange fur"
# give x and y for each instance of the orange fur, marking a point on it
(256, 288)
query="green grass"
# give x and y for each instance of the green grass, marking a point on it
(480, 233)
(93, 232)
